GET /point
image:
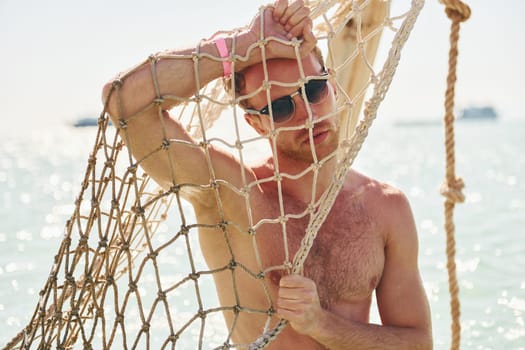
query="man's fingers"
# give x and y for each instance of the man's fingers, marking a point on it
(297, 18)
(298, 31)
(295, 281)
(278, 9)
(291, 10)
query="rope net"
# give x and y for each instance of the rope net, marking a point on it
(130, 271)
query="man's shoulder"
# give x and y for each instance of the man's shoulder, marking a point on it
(360, 184)
(379, 197)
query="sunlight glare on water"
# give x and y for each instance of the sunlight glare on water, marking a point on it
(41, 172)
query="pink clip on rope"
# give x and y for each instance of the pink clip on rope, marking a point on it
(223, 51)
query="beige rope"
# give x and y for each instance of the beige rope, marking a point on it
(458, 12)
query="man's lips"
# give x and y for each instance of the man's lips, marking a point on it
(317, 135)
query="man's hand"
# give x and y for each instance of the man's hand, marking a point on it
(298, 302)
(285, 21)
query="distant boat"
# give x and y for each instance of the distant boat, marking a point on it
(475, 113)
(87, 121)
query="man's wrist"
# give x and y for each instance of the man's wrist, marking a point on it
(246, 47)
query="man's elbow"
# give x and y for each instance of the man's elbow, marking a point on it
(109, 99)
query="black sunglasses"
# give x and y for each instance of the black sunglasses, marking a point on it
(283, 108)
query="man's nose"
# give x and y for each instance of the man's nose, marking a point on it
(301, 108)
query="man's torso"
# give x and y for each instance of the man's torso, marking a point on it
(345, 261)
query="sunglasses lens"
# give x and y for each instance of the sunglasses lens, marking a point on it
(316, 90)
(282, 109)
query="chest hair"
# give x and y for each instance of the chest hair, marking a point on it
(346, 259)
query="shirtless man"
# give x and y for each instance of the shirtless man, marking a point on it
(367, 243)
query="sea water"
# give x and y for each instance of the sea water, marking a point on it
(41, 171)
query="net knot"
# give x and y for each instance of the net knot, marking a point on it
(311, 208)
(138, 210)
(145, 327)
(194, 276)
(165, 144)
(262, 42)
(92, 160)
(110, 280)
(132, 286)
(88, 279)
(202, 314)
(119, 318)
(99, 312)
(195, 56)
(266, 85)
(173, 338)
(122, 124)
(456, 10)
(53, 277)
(174, 189)
(232, 264)
(83, 241)
(117, 83)
(308, 124)
(57, 315)
(222, 225)
(283, 219)
(75, 311)
(452, 190)
(270, 312)
(153, 58)
(70, 279)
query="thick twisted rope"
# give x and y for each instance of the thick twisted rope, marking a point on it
(458, 12)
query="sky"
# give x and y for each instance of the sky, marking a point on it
(57, 54)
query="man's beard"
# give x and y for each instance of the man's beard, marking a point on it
(305, 155)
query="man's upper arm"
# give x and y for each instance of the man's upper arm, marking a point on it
(401, 298)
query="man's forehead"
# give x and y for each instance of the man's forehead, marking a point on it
(281, 70)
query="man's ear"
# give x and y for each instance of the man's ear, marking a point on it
(256, 123)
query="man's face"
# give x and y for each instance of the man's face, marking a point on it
(297, 142)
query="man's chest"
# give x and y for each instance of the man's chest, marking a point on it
(345, 260)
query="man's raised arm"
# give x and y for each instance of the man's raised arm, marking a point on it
(144, 110)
